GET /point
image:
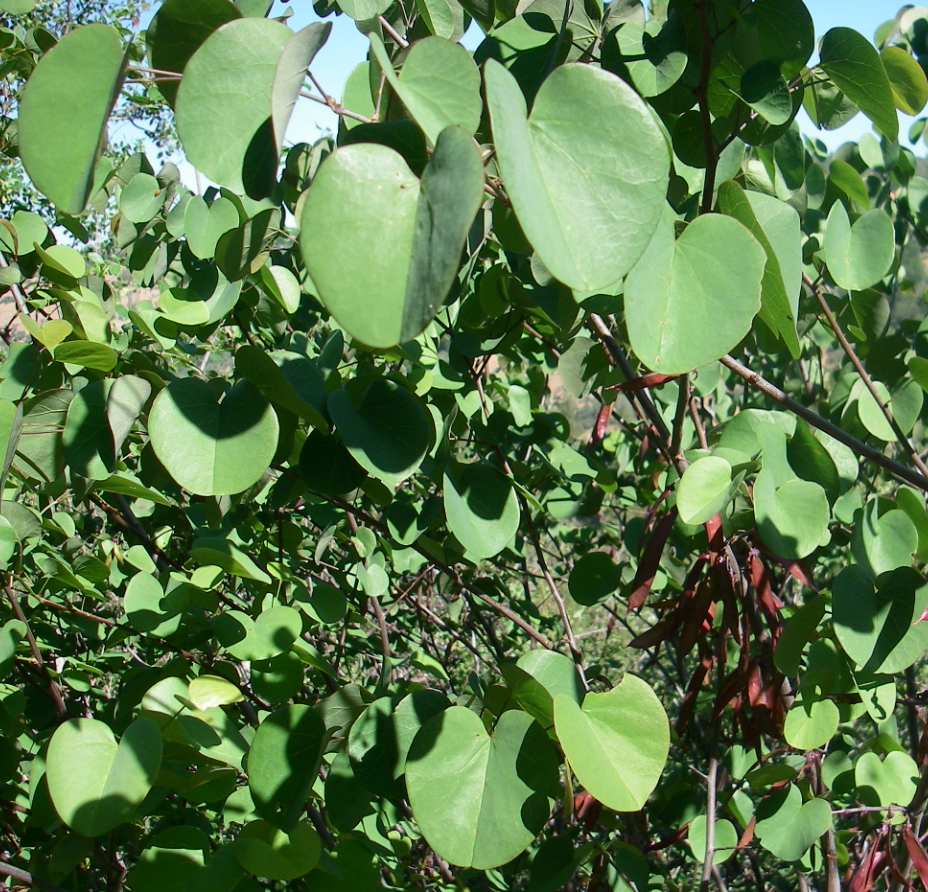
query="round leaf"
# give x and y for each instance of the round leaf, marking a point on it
(586, 174)
(858, 256)
(211, 447)
(224, 109)
(387, 432)
(95, 783)
(686, 302)
(793, 518)
(616, 743)
(786, 826)
(481, 508)
(593, 578)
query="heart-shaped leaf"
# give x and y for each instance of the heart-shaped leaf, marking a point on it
(272, 854)
(891, 781)
(481, 508)
(224, 111)
(686, 303)
(858, 256)
(704, 490)
(873, 618)
(205, 224)
(811, 721)
(72, 91)
(481, 800)
(213, 690)
(387, 432)
(410, 234)
(537, 677)
(586, 173)
(96, 784)
(792, 518)
(786, 826)
(616, 743)
(439, 84)
(213, 443)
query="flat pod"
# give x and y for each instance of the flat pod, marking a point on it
(586, 172)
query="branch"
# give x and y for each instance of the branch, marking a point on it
(53, 687)
(865, 449)
(702, 94)
(397, 38)
(851, 353)
(27, 879)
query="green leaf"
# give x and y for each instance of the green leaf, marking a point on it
(439, 85)
(872, 618)
(72, 91)
(87, 354)
(218, 552)
(213, 690)
(481, 508)
(387, 431)
(811, 721)
(290, 74)
(686, 302)
(853, 63)
(593, 578)
(224, 110)
(327, 467)
(652, 54)
(907, 79)
(537, 677)
(858, 256)
(891, 781)
(787, 827)
(141, 198)
(410, 234)
(87, 440)
(273, 382)
(725, 839)
(785, 32)
(704, 490)
(765, 90)
(205, 224)
(95, 783)
(616, 743)
(781, 284)
(178, 29)
(272, 854)
(148, 610)
(480, 800)
(212, 447)
(799, 630)
(283, 761)
(586, 173)
(792, 518)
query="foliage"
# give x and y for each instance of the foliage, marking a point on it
(523, 489)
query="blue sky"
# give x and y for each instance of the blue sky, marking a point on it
(347, 47)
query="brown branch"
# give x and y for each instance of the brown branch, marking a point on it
(851, 353)
(53, 687)
(397, 38)
(865, 449)
(27, 879)
(702, 95)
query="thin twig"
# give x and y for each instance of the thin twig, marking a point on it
(397, 38)
(18, 297)
(711, 795)
(53, 686)
(27, 879)
(702, 95)
(851, 353)
(865, 449)
(683, 399)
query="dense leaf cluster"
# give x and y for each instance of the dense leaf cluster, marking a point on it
(523, 488)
